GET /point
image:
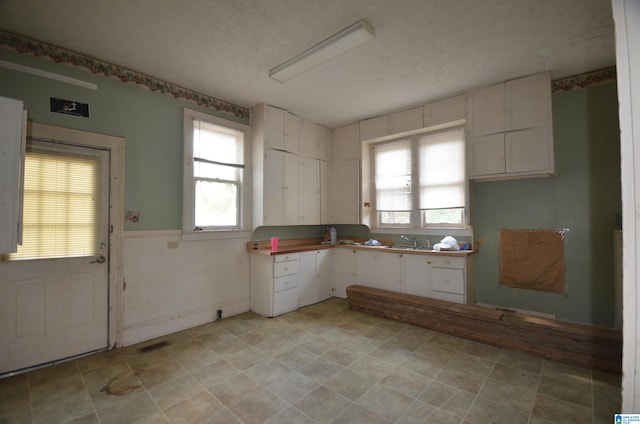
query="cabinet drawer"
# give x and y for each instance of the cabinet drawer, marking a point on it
(285, 301)
(286, 257)
(285, 268)
(285, 283)
(447, 261)
(447, 280)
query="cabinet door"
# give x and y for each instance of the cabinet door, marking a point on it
(345, 183)
(273, 213)
(325, 192)
(324, 143)
(291, 189)
(408, 120)
(292, 125)
(12, 133)
(274, 127)
(315, 277)
(529, 151)
(309, 191)
(367, 270)
(374, 128)
(324, 266)
(390, 275)
(417, 276)
(309, 139)
(345, 142)
(486, 155)
(307, 274)
(528, 101)
(446, 110)
(344, 271)
(487, 107)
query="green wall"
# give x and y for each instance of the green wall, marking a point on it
(584, 196)
(151, 124)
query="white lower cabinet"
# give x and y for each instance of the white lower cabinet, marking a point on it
(417, 275)
(380, 270)
(389, 270)
(441, 277)
(344, 271)
(315, 277)
(274, 283)
(452, 278)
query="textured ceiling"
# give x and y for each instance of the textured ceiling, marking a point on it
(424, 50)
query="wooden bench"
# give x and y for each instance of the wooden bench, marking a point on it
(575, 344)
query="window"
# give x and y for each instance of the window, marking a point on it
(214, 173)
(420, 181)
(60, 205)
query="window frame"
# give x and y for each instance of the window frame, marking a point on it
(417, 217)
(189, 229)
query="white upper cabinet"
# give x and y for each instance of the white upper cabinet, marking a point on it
(309, 139)
(487, 110)
(292, 125)
(285, 168)
(443, 111)
(510, 130)
(408, 120)
(12, 145)
(273, 126)
(309, 192)
(345, 142)
(374, 128)
(395, 123)
(324, 143)
(325, 192)
(528, 102)
(345, 192)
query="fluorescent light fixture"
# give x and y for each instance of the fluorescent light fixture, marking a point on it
(324, 51)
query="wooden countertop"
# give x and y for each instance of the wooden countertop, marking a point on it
(309, 245)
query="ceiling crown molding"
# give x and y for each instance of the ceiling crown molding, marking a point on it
(30, 46)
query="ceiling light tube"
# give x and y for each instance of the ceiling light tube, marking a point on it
(324, 51)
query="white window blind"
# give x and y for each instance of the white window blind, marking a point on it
(60, 206)
(442, 170)
(393, 176)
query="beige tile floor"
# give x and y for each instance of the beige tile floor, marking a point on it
(321, 364)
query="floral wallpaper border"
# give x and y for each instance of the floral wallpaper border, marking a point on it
(26, 45)
(588, 79)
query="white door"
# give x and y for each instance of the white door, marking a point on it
(54, 297)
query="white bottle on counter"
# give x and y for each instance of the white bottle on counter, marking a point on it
(333, 235)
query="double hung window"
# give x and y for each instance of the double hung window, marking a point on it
(214, 173)
(420, 181)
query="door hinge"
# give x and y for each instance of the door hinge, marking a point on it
(124, 284)
(111, 229)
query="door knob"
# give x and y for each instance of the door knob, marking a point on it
(99, 260)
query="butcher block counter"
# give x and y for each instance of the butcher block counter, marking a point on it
(311, 244)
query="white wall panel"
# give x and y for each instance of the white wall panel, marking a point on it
(173, 284)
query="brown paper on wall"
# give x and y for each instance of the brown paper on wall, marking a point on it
(532, 259)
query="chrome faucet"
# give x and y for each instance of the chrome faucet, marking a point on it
(413, 240)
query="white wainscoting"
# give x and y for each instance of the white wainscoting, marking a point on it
(173, 284)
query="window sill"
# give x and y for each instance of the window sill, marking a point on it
(216, 235)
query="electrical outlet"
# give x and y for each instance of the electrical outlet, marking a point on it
(173, 245)
(482, 241)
